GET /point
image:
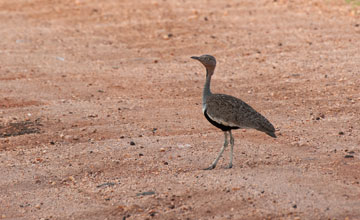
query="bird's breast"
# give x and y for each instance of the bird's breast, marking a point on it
(203, 108)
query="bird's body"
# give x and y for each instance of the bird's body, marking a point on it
(227, 112)
(233, 113)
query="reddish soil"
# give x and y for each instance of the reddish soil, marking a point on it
(100, 102)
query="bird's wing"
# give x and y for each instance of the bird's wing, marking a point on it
(234, 112)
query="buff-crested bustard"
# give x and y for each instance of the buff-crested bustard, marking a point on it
(227, 112)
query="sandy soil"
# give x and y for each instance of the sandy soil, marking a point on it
(100, 109)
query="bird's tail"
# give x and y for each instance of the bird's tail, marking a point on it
(271, 134)
(267, 128)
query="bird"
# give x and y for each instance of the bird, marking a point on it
(228, 113)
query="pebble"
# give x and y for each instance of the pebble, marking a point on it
(60, 58)
(349, 156)
(167, 36)
(105, 184)
(132, 143)
(38, 206)
(184, 145)
(152, 213)
(72, 179)
(146, 193)
(154, 130)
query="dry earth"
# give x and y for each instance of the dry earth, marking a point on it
(100, 102)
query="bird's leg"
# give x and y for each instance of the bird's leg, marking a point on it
(231, 150)
(213, 165)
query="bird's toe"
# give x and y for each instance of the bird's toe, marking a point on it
(228, 166)
(210, 167)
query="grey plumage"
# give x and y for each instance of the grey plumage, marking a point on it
(227, 112)
(231, 111)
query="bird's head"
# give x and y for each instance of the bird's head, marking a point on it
(207, 60)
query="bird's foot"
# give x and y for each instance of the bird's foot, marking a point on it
(228, 166)
(210, 167)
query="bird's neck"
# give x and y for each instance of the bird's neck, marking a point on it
(206, 91)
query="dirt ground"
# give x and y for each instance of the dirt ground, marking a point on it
(100, 109)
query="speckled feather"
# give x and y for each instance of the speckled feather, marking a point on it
(230, 111)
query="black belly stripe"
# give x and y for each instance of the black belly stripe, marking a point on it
(218, 125)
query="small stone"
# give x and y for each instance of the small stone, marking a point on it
(132, 143)
(152, 213)
(168, 36)
(60, 58)
(105, 184)
(294, 206)
(71, 178)
(146, 193)
(140, 154)
(349, 156)
(341, 133)
(162, 149)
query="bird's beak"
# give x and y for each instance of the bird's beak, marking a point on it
(195, 58)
